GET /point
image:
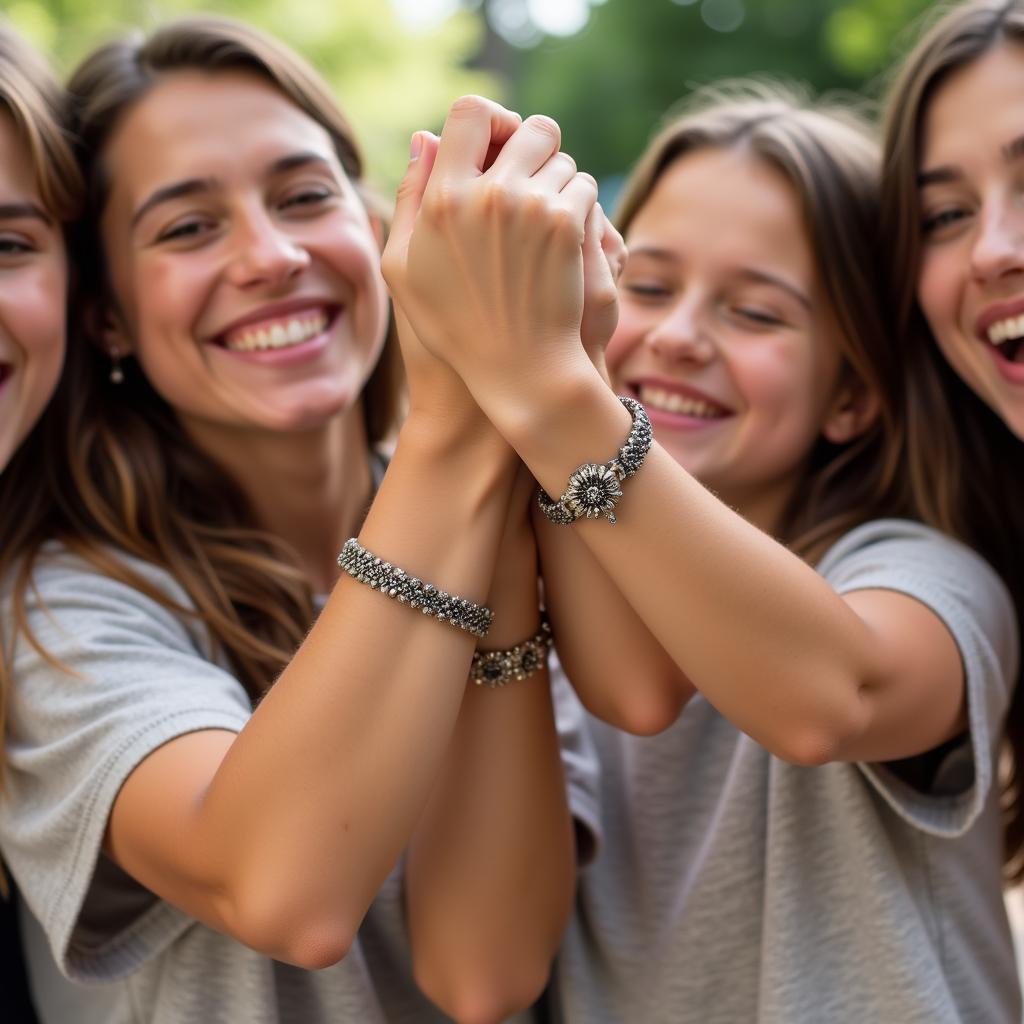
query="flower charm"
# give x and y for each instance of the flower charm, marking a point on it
(593, 492)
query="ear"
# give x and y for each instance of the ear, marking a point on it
(106, 329)
(853, 409)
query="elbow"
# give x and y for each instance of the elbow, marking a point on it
(310, 940)
(483, 1000)
(805, 748)
(643, 710)
(315, 948)
(824, 738)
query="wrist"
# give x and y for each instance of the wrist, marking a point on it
(436, 436)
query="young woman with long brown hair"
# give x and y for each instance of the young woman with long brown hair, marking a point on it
(797, 842)
(205, 843)
(954, 232)
(40, 190)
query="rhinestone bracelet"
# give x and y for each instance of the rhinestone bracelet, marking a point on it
(496, 668)
(365, 567)
(593, 490)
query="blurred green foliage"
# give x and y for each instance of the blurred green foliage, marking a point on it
(609, 85)
(390, 81)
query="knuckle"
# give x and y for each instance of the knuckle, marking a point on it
(568, 161)
(441, 203)
(565, 226)
(499, 197)
(544, 125)
(471, 105)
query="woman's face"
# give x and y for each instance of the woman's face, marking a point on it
(971, 281)
(244, 268)
(724, 332)
(33, 285)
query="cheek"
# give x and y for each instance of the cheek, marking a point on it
(936, 290)
(34, 314)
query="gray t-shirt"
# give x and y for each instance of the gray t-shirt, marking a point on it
(733, 888)
(146, 676)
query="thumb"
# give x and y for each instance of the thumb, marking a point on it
(598, 274)
(423, 151)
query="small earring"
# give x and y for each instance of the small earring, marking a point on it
(116, 373)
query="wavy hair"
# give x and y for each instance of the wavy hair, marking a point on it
(121, 476)
(36, 104)
(827, 155)
(961, 453)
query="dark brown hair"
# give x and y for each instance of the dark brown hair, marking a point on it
(962, 457)
(827, 155)
(121, 476)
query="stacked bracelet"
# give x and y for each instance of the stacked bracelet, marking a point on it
(366, 567)
(593, 489)
(496, 668)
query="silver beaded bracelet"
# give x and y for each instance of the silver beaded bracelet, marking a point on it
(593, 489)
(496, 668)
(365, 567)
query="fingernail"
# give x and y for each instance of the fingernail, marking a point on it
(415, 146)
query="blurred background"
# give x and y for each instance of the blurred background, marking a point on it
(607, 70)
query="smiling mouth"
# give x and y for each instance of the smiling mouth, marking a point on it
(278, 333)
(1007, 338)
(666, 400)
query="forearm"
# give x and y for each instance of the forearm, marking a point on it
(620, 671)
(767, 641)
(319, 794)
(489, 874)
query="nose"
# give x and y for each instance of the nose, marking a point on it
(999, 244)
(681, 336)
(263, 252)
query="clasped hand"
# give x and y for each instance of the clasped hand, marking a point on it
(500, 261)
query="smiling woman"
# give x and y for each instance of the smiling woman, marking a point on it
(209, 791)
(953, 220)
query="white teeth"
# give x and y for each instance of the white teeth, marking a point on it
(278, 335)
(1006, 330)
(672, 401)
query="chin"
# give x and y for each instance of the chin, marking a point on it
(300, 417)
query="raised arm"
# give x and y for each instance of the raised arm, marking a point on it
(282, 834)
(811, 675)
(620, 671)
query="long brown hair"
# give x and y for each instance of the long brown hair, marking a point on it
(35, 102)
(827, 155)
(962, 456)
(122, 476)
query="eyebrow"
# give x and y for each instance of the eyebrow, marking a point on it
(748, 273)
(189, 187)
(651, 251)
(1012, 151)
(192, 186)
(19, 211)
(766, 277)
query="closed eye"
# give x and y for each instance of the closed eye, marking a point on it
(646, 291)
(943, 218)
(758, 316)
(188, 229)
(307, 198)
(14, 246)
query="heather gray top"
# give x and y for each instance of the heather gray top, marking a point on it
(733, 888)
(146, 677)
